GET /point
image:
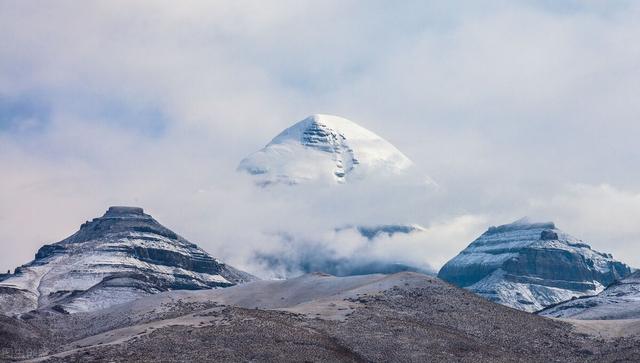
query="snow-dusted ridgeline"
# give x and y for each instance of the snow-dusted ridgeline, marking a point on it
(530, 266)
(621, 300)
(118, 257)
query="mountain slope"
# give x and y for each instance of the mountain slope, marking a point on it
(529, 266)
(121, 256)
(621, 300)
(405, 317)
(324, 148)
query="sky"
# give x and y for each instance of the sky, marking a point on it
(514, 108)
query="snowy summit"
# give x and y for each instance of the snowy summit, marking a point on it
(324, 148)
(529, 266)
(119, 257)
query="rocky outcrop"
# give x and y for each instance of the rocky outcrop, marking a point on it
(529, 266)
(123, 255)
(621, 300)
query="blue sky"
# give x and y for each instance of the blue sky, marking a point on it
(514, 107)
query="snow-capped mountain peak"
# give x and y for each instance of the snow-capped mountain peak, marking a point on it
(326, 148)
(112, 259)
(531, 265)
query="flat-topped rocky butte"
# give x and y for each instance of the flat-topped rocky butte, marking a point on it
(121, 256)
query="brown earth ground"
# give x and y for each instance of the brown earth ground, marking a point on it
(404, 317)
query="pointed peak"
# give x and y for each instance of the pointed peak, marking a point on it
(325, 148)
(330, 124)
(326, 119)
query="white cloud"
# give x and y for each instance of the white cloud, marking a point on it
(602, 215)
(504, 104)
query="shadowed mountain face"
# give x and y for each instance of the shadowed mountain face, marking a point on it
(621, 300)
(529, 266)
(121, 256)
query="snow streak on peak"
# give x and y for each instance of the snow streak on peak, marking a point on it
(324, 148)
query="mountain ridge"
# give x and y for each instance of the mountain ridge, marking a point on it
(530, 265)
(118, 257)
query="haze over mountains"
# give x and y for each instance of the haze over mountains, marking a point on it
(308, 169)
(100, 279)
(332, 156)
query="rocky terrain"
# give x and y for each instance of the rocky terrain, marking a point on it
(401, 317)
(530, 266)
(619, 301)
(119, 257)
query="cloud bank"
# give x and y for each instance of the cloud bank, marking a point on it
(513, 108)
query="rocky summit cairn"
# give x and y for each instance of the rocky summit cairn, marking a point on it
(123, 255)
(530, 266)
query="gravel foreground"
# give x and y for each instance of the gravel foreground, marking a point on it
(412, 318)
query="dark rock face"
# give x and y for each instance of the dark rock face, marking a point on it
(120, 256)
(48, 251)
(320, 137)
(548, 235)
(621, 300)
(121, 220)
(531, 265)
(371, 232)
